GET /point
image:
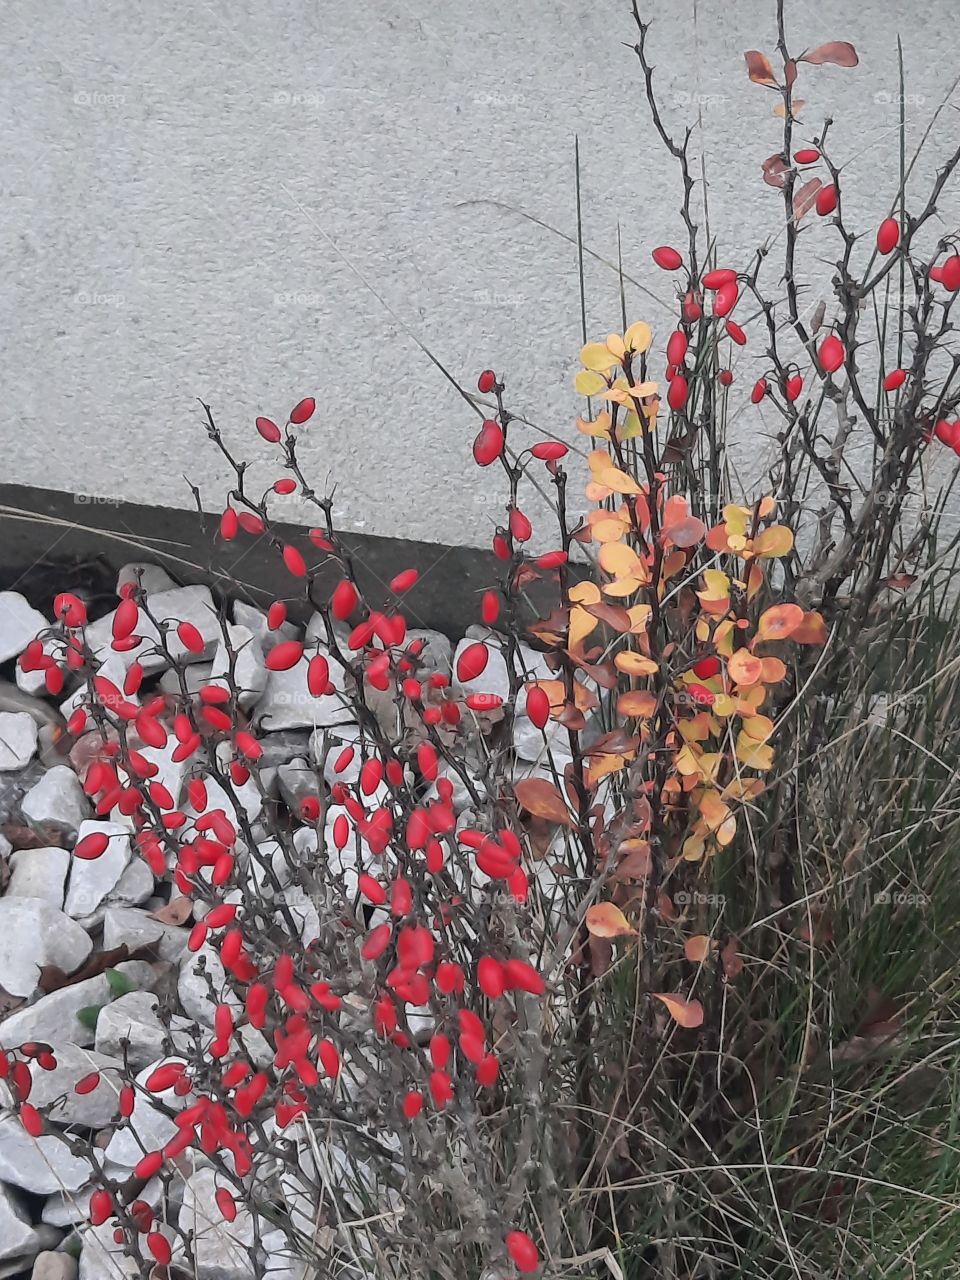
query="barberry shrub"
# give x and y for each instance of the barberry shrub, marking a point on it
(476, 1009)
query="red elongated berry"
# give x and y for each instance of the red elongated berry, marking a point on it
(248, 746)
(895, 380)
(190, 637)
(126, 1101)
(667, 258)
(519, 975)
(404, 581)
(717, 278)
(692, 310)
(372, 889)
(101, 1207)
(164, 1077)
(549, 451)
(148, 1165)
(294, 561)
(472, 662)
(487, 381)
(726, 298)
(501, 547)
(376, 942)
(439, 1051)
(449, 978)
(412, 1104)
(87, 1084)
(70, 609)
(677, 345)
(538, 706)
(329, 1058)
(303, 410)
(523, 1252)
(826, 200)
(31, 1119)
(284, 485)
(831, 353)
(807, 155)
(91, 846)
(520, 526)
(735, 333)
(487, 1070)
(229, 525)
(490, 607)
(371, 775)
(284, 655)
(250, 522)
(759, 390)
(276, 615)
(947, 433)
(441, 1088)
(794, 387)
(490, 978)
(427, 761)
(269, 430)
(488, 445)
(725, 377)
(318, 675)
(125, 619)
(950, 273)
(344, 600)
(226, 1204)
(888, 235)
(677, 395)
(159, 1247)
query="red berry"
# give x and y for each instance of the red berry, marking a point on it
(677, 395)
(522, 1251)
(895, 380)
(826, 200)
(735, 333)
(284, 655)
(190, 637)
(295, 562)
(759, 390)
(950, 273)
(487, 381)
(91, 846)
(538, 706)
(717, 278)
(888, 235)
(831, 353)
(677, 347)
(666, 258)
(725, 377)
(809, 155)
(269, 430)
(344, 600)
(302, 411)
(488, 446)
(726, 298)
(412, 1104)
(472, 662)
(549, 450)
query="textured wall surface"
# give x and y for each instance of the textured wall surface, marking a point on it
(175, 177)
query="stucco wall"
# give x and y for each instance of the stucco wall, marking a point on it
(175, 175)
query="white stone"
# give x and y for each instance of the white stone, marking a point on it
(39, 873)
(249, 673)
(17, 1236)
(288, 704)
(194, 677)
(246, 615)
(61, 1210)
(94, 1109)
(222, 1250)
(147, 1121)
(135, 928)
(297, 782)
(91, 879)
(493, 679)
(180, 604)
(32, 934)
(101, 1258)
(57, 799)
(151, 578)
(19, 624)
(54, 1016)
(54, 1266)
(280, 1261)
(43, 1164)
(193, 987)
(18, 740)
(133, 1018)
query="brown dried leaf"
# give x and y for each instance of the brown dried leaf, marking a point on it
(774, 168)
(543, 800)
(803, 199)
(613, 615)
(44, 836)
(840, 53)
(177, 911)
(53, 978)
(758, 67)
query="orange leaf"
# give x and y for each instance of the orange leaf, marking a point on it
(840, 53)
(758, 67)
(543, 800)
(604, 920)
(688, 1013)
(637, 702)
(779, 621)
(813, 630)
(744, 668)
(697, 948)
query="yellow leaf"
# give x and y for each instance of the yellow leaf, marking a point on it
(615, 345)
(600, 426)
(688, 1013)
(611, 529)
(597, 357)
(773, 542)
(773, 670)
(755, 755)
(760, 728)
(588, 383)
(618, 481)
(604, 920)
(602, 766)
(638, 337)
(620, 560)
(694, 848)
(585, 593)
(634, 664)
(581, 625)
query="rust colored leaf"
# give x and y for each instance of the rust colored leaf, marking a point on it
(612, 614)
(790, 73)
(605, 920)
(635, 862)
(803, 199)
(774, 168)
(697, 948)
(177, 911)
(688, 1013)
(899, 581)
(543, 800)
(758, 67)
(840, 53)
(685, 533)
(45, 836)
